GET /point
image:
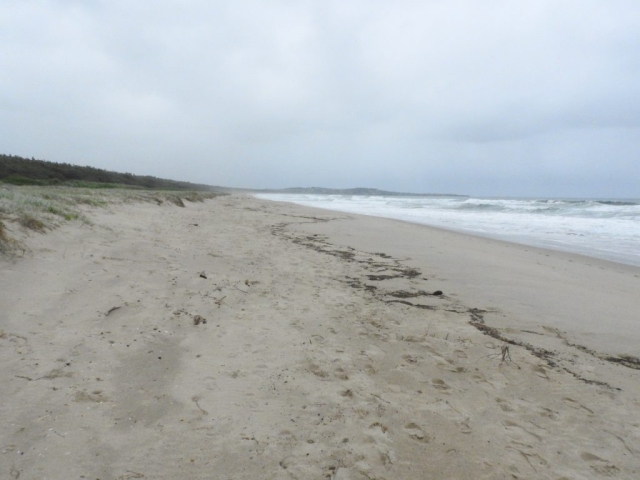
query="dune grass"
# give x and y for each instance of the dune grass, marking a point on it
(7, 243)
(40, 208)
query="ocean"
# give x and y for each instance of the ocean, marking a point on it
(601, 228)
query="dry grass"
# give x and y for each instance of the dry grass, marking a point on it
(8, 245)
(32, 223)
(194, 197)
(4, 239)
(176, 200)
(41, 208)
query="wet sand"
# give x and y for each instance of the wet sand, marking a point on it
(241, 338)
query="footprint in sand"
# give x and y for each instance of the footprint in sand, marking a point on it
(504, 405)
(533, 459)
(317, 371)
(575, 404)
(209, 383)
(369, 369)
(460, 354)
(547, 412)
(519, 433)
(94, 396)
(378, 426)
(465, 427)
(409, 359)
(599, 465)
(347, 393)
(440, 384)
(415, 432)
(590, 457)
(479, 378)
(449, 366)
(540, 371)
(373, 351)
(377, 434)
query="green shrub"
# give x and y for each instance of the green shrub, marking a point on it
(55, 211)
(20, 180)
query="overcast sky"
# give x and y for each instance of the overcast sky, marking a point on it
(517, 97)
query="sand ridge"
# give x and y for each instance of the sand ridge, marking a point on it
(318, 359)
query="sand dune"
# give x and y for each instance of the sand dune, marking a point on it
(240, 338)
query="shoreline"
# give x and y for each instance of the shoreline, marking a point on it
(473, 281)
(468, 233)
(529, 241)
(244, 338)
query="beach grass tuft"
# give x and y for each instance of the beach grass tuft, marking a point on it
(8, 245)
(177, 201)
(31, 222)
(194, 197)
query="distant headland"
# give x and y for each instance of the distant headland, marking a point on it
(352, 191)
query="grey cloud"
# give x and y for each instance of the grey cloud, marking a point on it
(502, 98)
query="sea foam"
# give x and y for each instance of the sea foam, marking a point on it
(601, 228)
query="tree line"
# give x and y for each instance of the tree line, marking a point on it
(23, 171)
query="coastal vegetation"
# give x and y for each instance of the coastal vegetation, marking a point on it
(3, 235)
(17, 170)
(38, 195)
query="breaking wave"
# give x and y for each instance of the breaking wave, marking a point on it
(603, 228)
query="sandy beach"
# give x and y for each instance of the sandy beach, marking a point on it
(245, 339)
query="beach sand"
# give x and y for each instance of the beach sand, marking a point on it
(240, 338)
